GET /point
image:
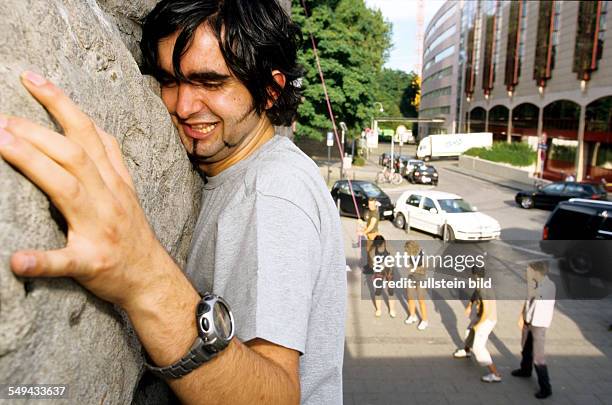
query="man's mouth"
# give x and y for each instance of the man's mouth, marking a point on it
(199, 131)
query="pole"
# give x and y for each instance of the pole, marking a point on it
(579, 164)
(392, 160)
(328, 163)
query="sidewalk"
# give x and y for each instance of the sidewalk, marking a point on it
(388, 362)
(511, 184)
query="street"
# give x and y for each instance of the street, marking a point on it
(389, 362)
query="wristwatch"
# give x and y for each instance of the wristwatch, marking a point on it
(215, 323)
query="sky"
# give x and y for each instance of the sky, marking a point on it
(402, 14)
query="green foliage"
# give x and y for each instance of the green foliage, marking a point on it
(563, 152)
(516, 153)
(359, 161)
(353, 42)
(397, 90)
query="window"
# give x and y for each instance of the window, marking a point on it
(547, 39)
(434, 111)
(441, 55)
(441, 20)
(491, 54)
(344, 188)
(414, 200)
(554, 188)
(573, 188)
(455, 206)
(371, 190)
(444, 91)
(446, 34)
(428, 204)
(515, 46)
(590, 33)
(472, 25)
(440, 74)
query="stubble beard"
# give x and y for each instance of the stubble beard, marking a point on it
(197, 159)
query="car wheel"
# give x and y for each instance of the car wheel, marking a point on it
(447, 234)
(579, 263)
(400, 221)
(526, 202)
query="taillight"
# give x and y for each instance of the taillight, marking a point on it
(545, 233)
(595, 197)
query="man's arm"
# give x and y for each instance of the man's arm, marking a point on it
(113, 252)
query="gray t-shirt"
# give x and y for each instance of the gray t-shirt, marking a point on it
(268, 240)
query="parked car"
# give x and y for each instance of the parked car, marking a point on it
(424, 174)
(550, 195)
(363, 190)
(409, 165)
(579, 232)
(444, 214)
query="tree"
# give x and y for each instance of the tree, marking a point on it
(353, 43)
(398, 92)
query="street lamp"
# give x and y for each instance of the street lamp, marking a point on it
(381, 110)
(344, 130)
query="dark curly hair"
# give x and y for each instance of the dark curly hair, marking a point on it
(255, 37)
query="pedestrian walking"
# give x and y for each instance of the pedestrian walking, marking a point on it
(535, 318)
(485, 321)
(417, 275)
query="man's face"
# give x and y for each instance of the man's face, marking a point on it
(214, 115)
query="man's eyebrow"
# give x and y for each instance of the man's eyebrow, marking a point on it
(207, 76)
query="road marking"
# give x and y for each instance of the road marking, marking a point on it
(535, 252)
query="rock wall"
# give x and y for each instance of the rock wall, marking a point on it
(52, 331)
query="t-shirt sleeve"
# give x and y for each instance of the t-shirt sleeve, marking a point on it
(279, 256)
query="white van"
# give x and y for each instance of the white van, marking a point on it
(452, 144)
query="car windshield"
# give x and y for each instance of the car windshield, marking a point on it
(371, 190)
(455, 205)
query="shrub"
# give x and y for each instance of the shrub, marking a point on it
(359, 161)
(516, 153)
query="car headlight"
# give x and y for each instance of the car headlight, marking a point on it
(435, 174)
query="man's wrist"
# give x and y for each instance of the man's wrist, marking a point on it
(164, 301)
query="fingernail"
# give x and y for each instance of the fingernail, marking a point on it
(3, 122)
(28, 263)
(34, 78)
(5, 137)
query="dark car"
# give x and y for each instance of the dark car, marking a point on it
(579, 232)
(549, 196)
(341, 193)
(384, 159)
(424, 174)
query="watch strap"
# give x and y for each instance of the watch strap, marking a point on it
(195, 357)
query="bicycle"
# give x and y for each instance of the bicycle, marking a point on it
(387, 176)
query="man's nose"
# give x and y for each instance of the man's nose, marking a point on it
(187, 103)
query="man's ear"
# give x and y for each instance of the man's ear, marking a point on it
(280, 79)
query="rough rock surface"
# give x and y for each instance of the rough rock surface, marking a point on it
(52, 331)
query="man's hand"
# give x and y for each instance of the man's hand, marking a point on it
(468, 309)
(111, 249)
(521, 322)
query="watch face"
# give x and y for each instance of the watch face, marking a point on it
(221, 317)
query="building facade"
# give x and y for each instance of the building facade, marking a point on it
(441, 75)
(540, 72)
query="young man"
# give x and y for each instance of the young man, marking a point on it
(267, 243)
(536, 316)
